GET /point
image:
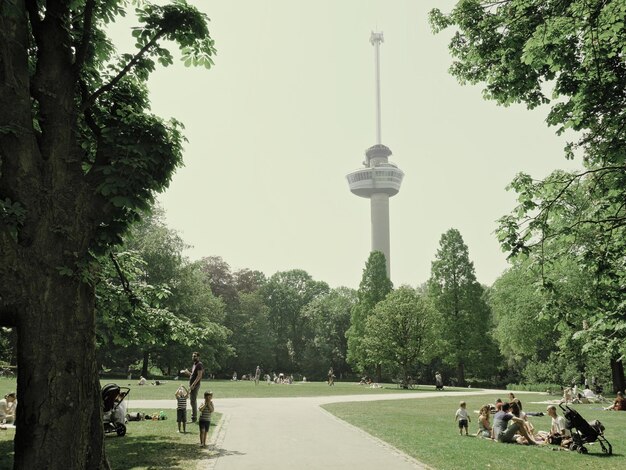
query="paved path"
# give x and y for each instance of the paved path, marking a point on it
(288, 433)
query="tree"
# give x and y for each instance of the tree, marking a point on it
(401, 331)
(252, 338)
(286, 294)
(221, 279)
(568, 55)
(374, 287)
(80, 158)
(457, 296)
(328, 318)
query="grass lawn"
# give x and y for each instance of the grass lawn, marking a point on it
(147, 445)
(157, 444)
(425, 429)
(247, 389)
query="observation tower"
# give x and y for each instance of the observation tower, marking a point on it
(379, 179)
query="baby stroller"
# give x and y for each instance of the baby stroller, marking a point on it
(584, 432)
(114, 412)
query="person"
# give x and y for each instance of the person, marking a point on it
(516, 400)
(438, 381)
(257, 375)
(619, 404)
(130, 373)
(7, 408)
(567, 396)
(505, 426)
(195, 377)
(234, 379)
(588, 394)
(142, 380)
(516, 410)
(463, 417)
(498, 404)
(484, 426)
(331, 376)
(559, 434)
(182, 394)
(206, 409)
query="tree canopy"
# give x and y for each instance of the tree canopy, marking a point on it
(458, 298)
(374, 287)
(402, 332)
(568, 56)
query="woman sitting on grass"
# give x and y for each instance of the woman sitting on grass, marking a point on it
(484, 426)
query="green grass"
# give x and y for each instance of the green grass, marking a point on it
(425, 429)
(247, 389)
(147, 445)
(157, 444)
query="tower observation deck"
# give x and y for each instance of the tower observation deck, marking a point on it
(379, 179)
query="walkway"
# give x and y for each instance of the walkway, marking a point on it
(288, 433)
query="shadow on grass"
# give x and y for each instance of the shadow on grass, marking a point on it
(145, 451)
(6, 453)
(152, 451)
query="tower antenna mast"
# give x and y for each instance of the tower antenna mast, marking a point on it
(376, 39)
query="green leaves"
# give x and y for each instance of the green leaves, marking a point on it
(181, 23)
(374, 287)
(401, 331)
(12, 216)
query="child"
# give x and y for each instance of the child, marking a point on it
(463, 417)
(205, 417)
(181, 407)
(484, 426)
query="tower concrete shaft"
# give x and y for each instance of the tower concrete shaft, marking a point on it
(380, 179)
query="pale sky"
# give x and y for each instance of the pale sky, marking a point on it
(289, 109)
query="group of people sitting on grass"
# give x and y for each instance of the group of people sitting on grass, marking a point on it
(574, 395)
(280, 379)
(511, 424)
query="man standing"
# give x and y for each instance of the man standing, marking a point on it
(195, 376)
(257, 375)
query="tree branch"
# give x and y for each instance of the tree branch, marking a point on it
(94, 96)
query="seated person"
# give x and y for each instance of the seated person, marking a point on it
(567, 396)
(7, 408)
(497, 405)
(506, 426)
(516, 400)
(516, 411)
(558, 428)
(484, 426)
(142, 380)
(619, 404)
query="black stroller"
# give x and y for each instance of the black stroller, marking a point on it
(112, 396)
(584, 432)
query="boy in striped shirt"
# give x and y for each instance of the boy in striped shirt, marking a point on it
(206, 409)
(182, 394)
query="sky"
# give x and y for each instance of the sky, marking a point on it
(289, 109)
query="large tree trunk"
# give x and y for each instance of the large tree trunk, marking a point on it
(144, 364)
(58, 388)
(617, 371)
(460, 374)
